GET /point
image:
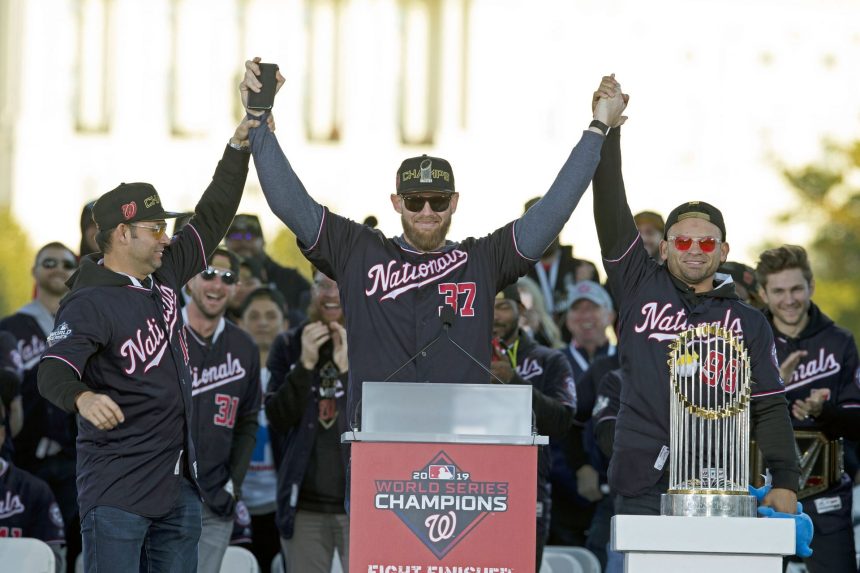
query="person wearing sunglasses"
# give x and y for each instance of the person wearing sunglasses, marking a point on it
(118, 357)
(245, 238)
(656, 303)
(226, 394)
(45, 443)
(396, 287)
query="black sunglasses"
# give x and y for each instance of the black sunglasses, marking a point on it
(227, 277)
(52, 263)
(242, 236)
(438, 203)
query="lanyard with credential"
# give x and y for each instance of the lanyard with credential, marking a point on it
(580, 359)
(512, 353)
(548, 284)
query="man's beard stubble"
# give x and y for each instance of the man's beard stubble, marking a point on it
(426, 241)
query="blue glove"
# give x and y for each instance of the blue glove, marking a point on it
(802, 522)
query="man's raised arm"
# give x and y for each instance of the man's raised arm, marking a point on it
(284, 192)
(616, 229)
(536, 229)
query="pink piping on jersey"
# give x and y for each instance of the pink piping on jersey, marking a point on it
(850, 405)
(139, 288)
(627, 252)
(78, 372)
(319, 233)
(199, 242)
(516, 248)
(768, 393)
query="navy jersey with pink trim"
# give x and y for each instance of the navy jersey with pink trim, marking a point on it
(654, 308)
(126, 339)
(392, 297)
(41, 418)
(652, 312)
(27, 507)
(225, 387)
(831, 362)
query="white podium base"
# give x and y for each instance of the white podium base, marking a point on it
(657, 544)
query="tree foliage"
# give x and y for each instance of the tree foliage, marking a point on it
(16, 260)
(286, 252)
(829, 193)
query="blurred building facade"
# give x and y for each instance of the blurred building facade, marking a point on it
(96, 92)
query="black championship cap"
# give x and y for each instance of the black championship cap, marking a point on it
(129, 203)
(244, 223)
(696, 210)
(425, 173)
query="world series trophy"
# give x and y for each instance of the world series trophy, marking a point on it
(709, 420)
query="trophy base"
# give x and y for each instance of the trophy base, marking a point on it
(707, 505)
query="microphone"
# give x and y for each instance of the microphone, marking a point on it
(446, 316)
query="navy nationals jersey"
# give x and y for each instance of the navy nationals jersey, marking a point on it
(27, 507)
(43, 422)
(225, 387)
(127, 340)
(654, 309)
(392, 296)
(548, 372)
(831, 362)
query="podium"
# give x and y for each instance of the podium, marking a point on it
(443, 478)
(664, 544)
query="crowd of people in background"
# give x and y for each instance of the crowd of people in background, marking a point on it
(270, 389)
(294, 357)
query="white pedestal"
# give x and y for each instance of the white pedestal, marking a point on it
(657, 544)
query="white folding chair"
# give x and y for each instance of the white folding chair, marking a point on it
(278, 564)
(335, 563)
(26, 554)
(586, 559)
(561, 563)
(239, 560)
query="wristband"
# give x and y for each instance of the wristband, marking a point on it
(599, 125)
(238, 147)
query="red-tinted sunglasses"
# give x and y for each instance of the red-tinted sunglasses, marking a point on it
(683, 243)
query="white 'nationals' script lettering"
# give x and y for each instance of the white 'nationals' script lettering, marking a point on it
(667, 323)
(151, 343)
(393, 280)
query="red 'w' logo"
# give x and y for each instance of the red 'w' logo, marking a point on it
(129, 210)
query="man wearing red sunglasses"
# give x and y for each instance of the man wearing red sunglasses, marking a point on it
(396, 288)
(656, 303)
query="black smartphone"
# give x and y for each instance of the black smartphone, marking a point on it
(265, 98)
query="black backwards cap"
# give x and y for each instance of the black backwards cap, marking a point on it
(425, 173)
(696, 210)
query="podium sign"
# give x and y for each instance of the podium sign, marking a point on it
(436, 507)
